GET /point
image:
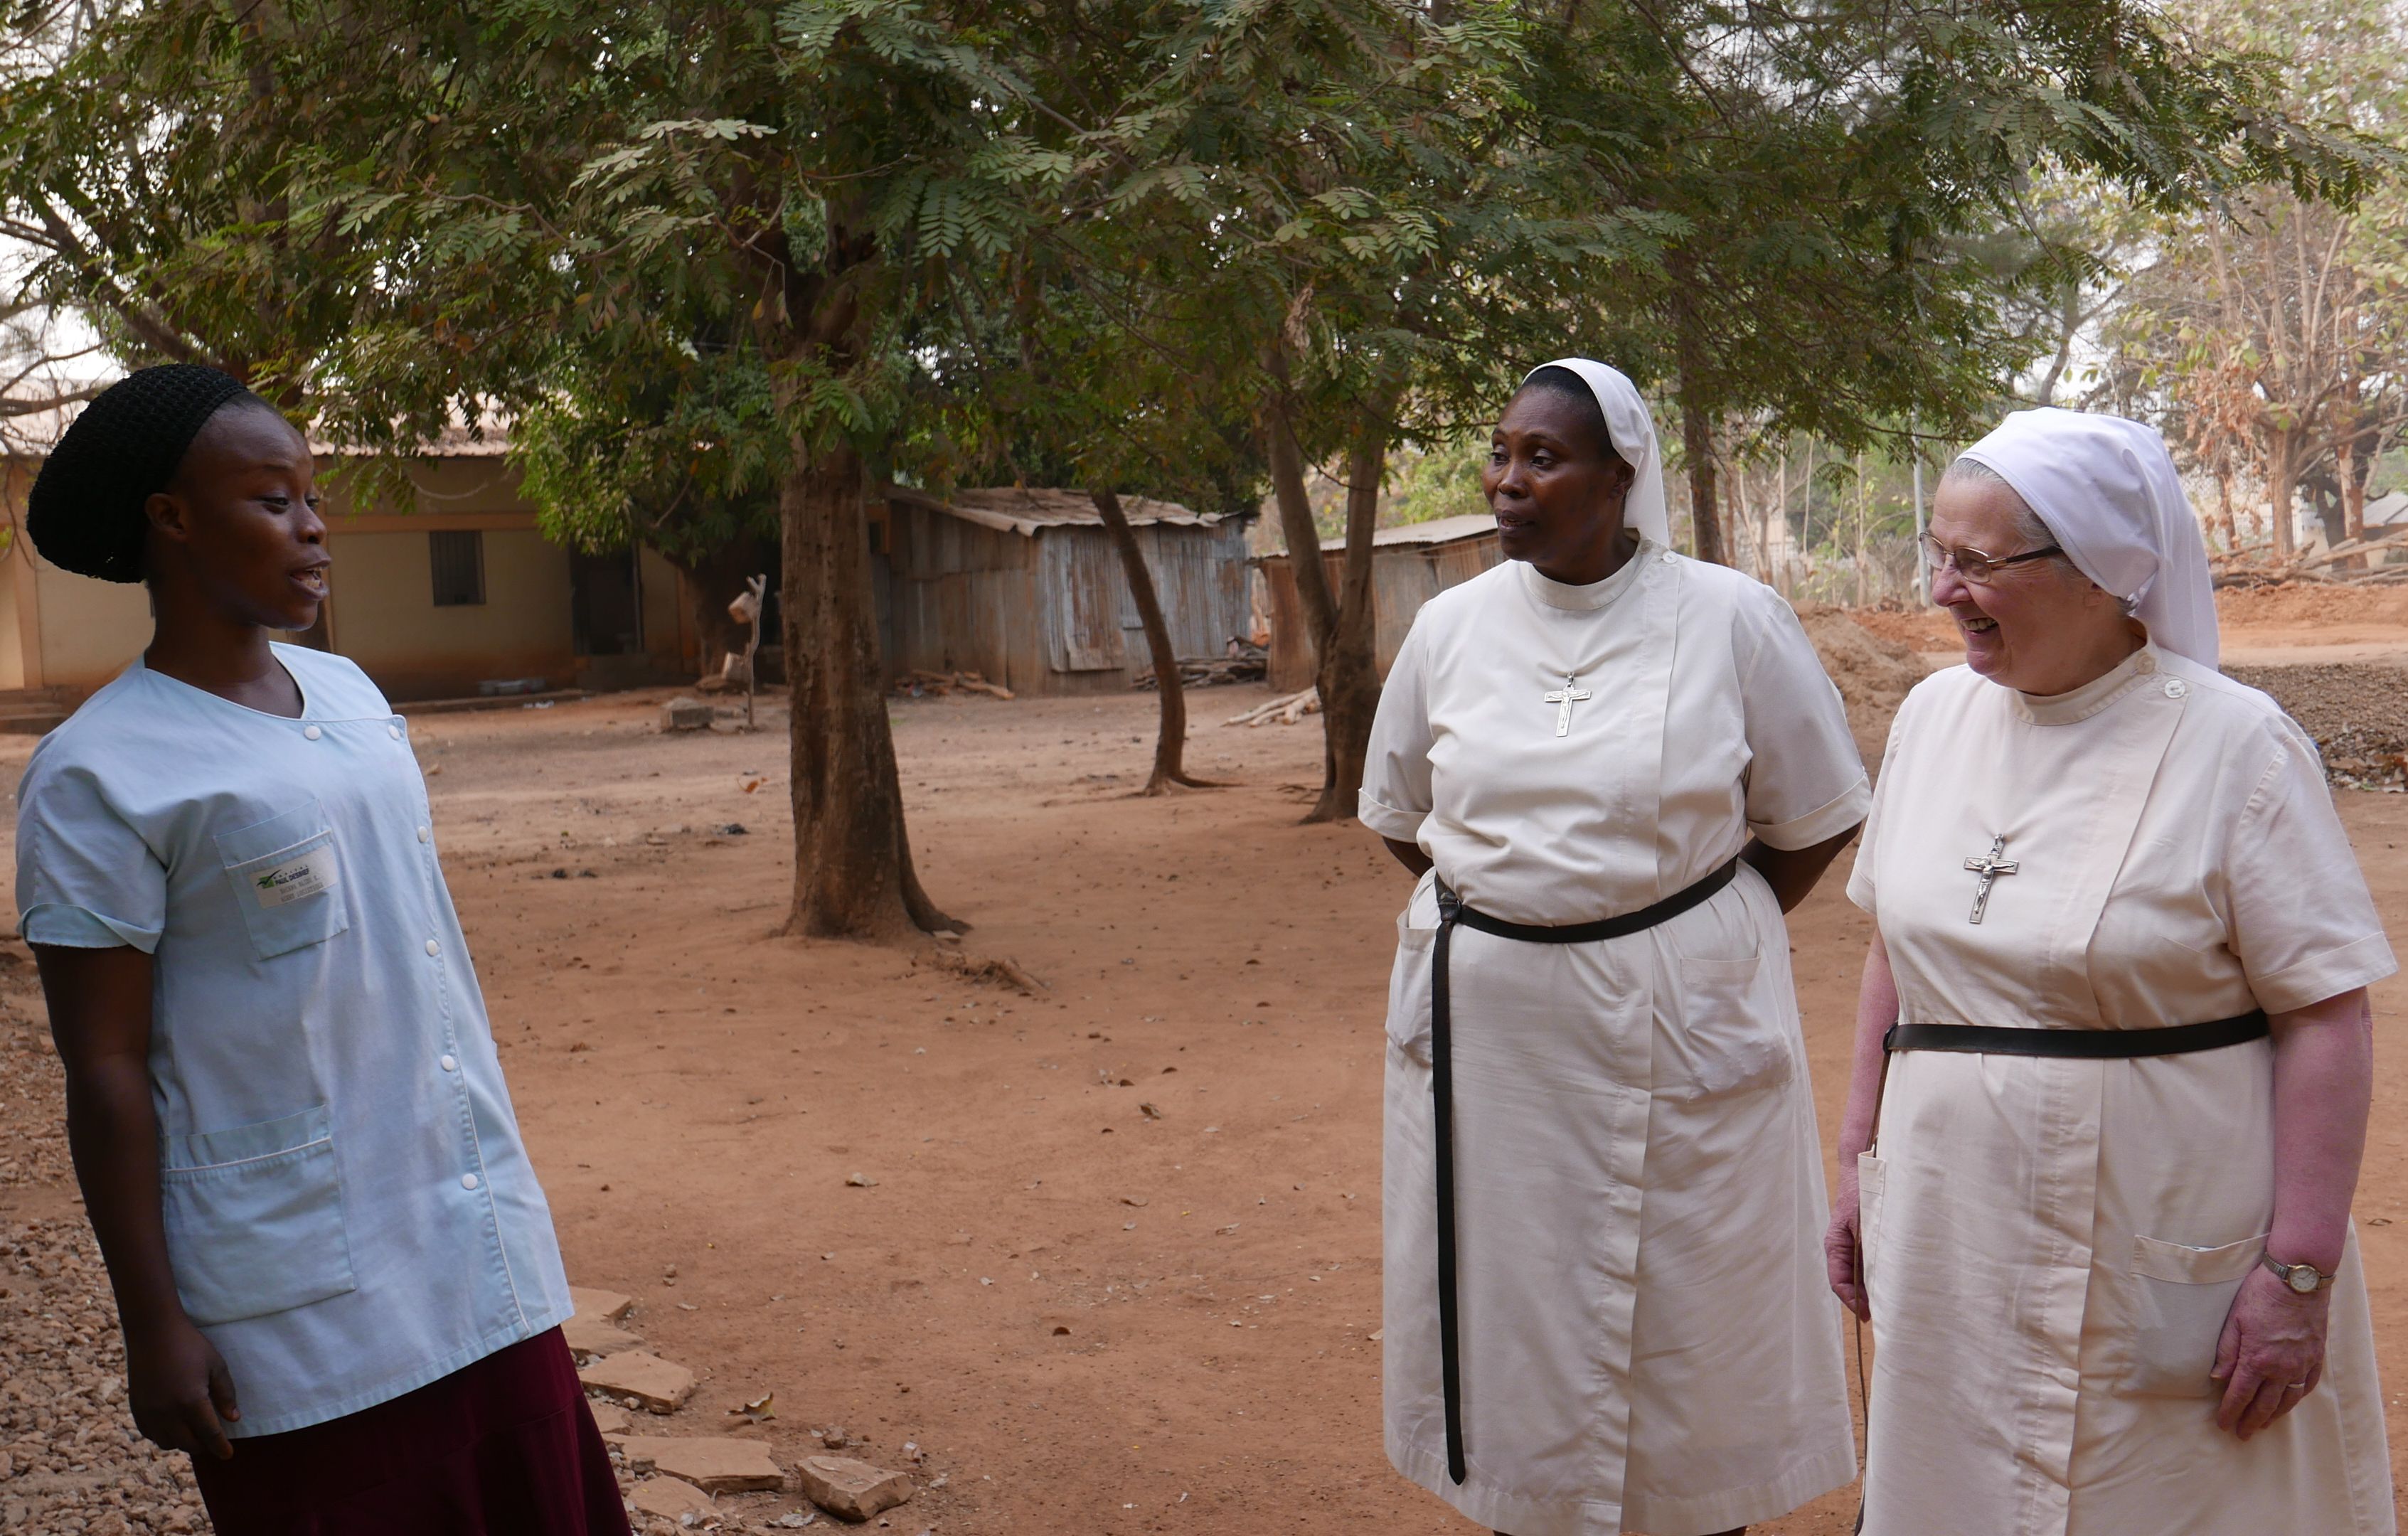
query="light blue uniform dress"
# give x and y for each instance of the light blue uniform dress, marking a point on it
(348, 1210)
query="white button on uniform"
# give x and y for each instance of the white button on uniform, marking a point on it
(451, 1064)
(394, 731)
(426, 835)
(2176, 687)
(434, 948)
(312, 732)
(467, 1181)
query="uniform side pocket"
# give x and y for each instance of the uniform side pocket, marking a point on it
(1872, 1175)
(254, 1218)
(1409, 989)
(1730, 1039)
(2181, 1296)
(287, 877)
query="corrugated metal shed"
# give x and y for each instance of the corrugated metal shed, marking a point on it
(1024, 586)
(1410, 563)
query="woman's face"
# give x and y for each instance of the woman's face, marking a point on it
(239, 523)
(2040, 626)
(1557, 491)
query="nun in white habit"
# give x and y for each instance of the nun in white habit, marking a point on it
(2118, 983)
(1613, 769)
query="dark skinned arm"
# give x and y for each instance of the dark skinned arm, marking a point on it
(177, 1386)
(1792, 872)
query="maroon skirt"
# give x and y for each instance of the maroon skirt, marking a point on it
(503, 1447)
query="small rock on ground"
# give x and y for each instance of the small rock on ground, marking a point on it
(851, 1489)
(601, 1306)
(712, 1464)
(668, 1499)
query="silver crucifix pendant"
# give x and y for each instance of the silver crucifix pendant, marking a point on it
(1989, 866)
(1566, 697)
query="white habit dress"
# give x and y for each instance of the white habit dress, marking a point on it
(2053, 1245)
(1648, 1343)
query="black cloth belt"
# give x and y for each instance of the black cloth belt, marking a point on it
(1451, 911)
(2081, 1044)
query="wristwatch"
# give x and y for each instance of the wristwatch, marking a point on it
(2306, 1279)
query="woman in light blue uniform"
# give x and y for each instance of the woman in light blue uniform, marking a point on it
(334, 1265)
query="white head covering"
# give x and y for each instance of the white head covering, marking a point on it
(1633, 430)
(2107, 489)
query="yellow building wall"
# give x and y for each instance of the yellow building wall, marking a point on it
(385, 618)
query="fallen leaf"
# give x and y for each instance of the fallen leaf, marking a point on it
(1133, 1199)
(759, 1410)
(1149, 1112)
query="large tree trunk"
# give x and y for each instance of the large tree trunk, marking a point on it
(1349, 674)
(853, 862)
(2282, 487)
(1697, 435)
(1171, 742)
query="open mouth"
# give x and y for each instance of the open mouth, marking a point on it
(1976, 624)
(312, 578)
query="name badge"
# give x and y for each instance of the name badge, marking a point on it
(295, 879)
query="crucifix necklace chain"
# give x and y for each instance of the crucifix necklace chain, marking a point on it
(1564, 699)
(1989, 866)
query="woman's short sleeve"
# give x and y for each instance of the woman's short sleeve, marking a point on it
(1805, 782)
(1396, 795)
(2302, 924)
(85, 879)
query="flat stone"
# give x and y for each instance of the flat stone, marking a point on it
(590, 1339)
(715, 1464)
(656, 1384)
(687, 714)
(600, 1306)
(850, 1489)
(610, 1419)
(669, 1498)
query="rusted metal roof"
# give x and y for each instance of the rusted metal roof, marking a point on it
(1024, 509)
(1442, 530)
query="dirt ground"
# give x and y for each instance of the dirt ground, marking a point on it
(1113, 1260)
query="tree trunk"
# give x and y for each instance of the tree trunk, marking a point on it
(1170, 743)
(853, 862)
(1349, 674)
(1285, 460)
(1697, 440)
(2282, 483)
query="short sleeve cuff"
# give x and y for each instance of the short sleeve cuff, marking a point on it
(1820, 824)
(78, 927)
(1386, 820)
(1860, 886)
(2327, 975)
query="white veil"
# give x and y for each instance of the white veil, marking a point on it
(1633, 430)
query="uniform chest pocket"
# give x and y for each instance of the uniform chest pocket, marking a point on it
(288, 879)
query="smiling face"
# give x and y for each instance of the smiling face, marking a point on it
(2041, 627)
(240, 524)
(1556, 487)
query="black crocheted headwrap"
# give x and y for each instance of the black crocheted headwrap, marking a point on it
(85, 510)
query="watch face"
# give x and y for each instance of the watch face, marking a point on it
(2302, 1279)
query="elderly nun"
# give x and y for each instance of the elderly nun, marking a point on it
(2111, 1072)
(1612, 770)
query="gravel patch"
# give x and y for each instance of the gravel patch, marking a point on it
(69, 1458)
(2358, 714)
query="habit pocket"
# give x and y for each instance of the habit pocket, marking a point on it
(254, 1218)
(1726, 1040)
(1872, 1175)
(287, 877)
(1408, 988)
(2181, 1296)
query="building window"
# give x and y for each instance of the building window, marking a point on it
(459, 563)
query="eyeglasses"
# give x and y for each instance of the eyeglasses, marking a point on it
(1974, 565)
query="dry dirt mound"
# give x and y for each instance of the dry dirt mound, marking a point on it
(2359, 716)
(1873, 671)
(2308, 603)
